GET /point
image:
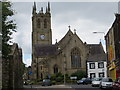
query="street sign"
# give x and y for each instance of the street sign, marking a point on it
(30, 73)
(73, 78)
(49, 76)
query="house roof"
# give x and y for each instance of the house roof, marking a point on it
(96, 52)
(97, 57)
(45, 50)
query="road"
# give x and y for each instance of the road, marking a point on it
(66, 87)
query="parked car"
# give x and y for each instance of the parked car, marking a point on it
(96, 82)
(84, 81)
(116, 84)
(106, 83)
(46, 82)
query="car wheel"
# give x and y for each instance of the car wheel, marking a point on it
(101, 87)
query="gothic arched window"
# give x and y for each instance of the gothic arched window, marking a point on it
(45, 23)
(41, 76)
(55, 69)
(75, 58)
(38, 23)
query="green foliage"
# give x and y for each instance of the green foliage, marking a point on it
(47, 77)
(80, 74)
(53, 82)
(53, 77)
(67, 77)
(59, 79)
(59, 74)
(8, 27)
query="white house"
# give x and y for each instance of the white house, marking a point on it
(96, 63)
(97, 68)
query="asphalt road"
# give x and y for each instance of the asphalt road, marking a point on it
(63, 87)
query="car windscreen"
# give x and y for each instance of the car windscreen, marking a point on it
(83, 78)
(46, 80)
(107, 80)
(96, 79)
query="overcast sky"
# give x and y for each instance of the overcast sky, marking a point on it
(85, 17)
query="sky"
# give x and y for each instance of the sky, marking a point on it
(85, 17)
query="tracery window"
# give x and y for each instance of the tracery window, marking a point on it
(38, 23)
(75, 58)
(55, 69)
(45, 23)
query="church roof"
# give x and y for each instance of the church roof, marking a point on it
(96, 52)
(45, 50)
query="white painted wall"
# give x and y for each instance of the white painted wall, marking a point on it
(97, 70)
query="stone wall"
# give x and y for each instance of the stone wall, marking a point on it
(12, 69)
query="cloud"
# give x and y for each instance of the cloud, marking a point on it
(27, 59)
(24, 29)
(27, 62)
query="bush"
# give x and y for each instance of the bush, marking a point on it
(59, 79)
(53, 82)
(59, 74)
(80, 74)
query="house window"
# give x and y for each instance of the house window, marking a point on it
(92, 65)
(75, 58)
(101, 74)
(92, 75)
(100, 64)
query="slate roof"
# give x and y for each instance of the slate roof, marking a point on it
(96, 52)
(45, 50)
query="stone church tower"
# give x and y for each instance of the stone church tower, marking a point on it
(41, 29)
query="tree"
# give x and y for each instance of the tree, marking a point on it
(8, 27)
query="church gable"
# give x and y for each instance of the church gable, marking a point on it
(73, 50)
(68, 39)
(65, 40)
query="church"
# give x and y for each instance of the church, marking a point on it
(66, 56)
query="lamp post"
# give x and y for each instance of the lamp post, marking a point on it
(64, 68)
(100, 33)
(103, 39)
(37, 68)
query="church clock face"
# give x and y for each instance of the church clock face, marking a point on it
(42, 37)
